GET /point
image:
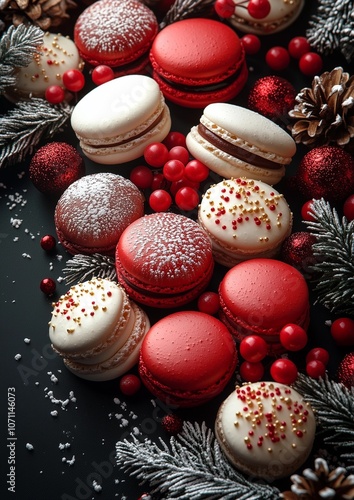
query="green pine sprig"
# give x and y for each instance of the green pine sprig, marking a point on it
(181, 9)
(333, 274)
(333, 404)
(84, 267)
(193, 467)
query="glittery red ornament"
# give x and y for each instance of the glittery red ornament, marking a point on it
(326, 172)
(172, 424)
(55, 166)
(345, 372)
(272, 96)
(297, 250)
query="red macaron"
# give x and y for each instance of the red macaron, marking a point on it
(261, 296)
(187, 358)
(116, 33)
(198, 61)
(164, 260)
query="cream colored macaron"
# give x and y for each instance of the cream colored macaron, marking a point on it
(117, 120)
(282, 14)
(236, 142)
(57, 55)
(266, 429)
(97, 329)
(244, 219)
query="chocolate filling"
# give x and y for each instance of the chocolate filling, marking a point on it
(236, 151)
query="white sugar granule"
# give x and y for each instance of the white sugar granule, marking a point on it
(26, 340)
(17, 357)
(29, 447)
(16, 223)
(97, 487)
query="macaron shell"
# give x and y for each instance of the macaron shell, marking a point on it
(188, 351)
(265, 293)
(115, 32)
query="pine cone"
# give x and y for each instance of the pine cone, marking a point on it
(42, 13)
(321, 483)
(325, 112)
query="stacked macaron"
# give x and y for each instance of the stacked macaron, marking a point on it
(93, 211)
(244, 219)
(261, 296)
(117, 120)
(236, 142)
(266, 429)
(164, 260)
(97, 330)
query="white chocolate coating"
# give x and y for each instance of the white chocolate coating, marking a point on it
(57, 55)
(244, 219)
(266, 429)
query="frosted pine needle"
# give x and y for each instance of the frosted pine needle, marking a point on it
(193, 467)
(181, 9)
(84, 267)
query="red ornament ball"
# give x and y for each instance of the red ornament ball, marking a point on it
(326, 172)
(172, 424)
(345, 372)
(48, 242)
(297, 251)
(342, 331)
(55, 166)
(129, 384)
(48, 286)
(272, 97)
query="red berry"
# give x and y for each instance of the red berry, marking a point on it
(278, 58)
(158, 181)
(306, 210)
(209, 303)
(141, 176)
(259, 9)
(298, 46)
(160, 200)
(310, 64)
(102, 74)
(156, 154)
(251, 43)
(251, 372)
(253, 348)
(318, 354)
(315, 369)
(224, 8)
(48, 286)
(179, 153)
(73, 80)
(348, 208)
(196, 171)
(48, 242)
(284, 371)
(293, 337)
(173, 170)
(342, 330)
(174, 139)
(186, 198)
(54, 94)
(175, 186)
(129, 384)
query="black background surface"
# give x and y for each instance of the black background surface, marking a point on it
(101, 415)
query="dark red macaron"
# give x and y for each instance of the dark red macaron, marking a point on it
(261, 296)
(187, 358)
(164, 260)
(117, 33)
(198, 61)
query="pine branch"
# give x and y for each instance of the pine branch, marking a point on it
(84, 267)
(181, 9)
(333, 274)
(334, 407)
(332, 27)
(17, 47)
(193, 468)
(23, 127)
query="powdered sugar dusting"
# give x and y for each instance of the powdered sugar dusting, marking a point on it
(96, 209)
(116, 27)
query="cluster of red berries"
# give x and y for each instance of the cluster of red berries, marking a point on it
(170, 175)
(74, 81)
(258, 9)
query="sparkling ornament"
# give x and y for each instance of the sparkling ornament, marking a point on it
(48, 242)
(55, 166)
(48, 286)
(172, 424)
(345, 372)
(326, 172)
(272, 96)
(297, 250)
